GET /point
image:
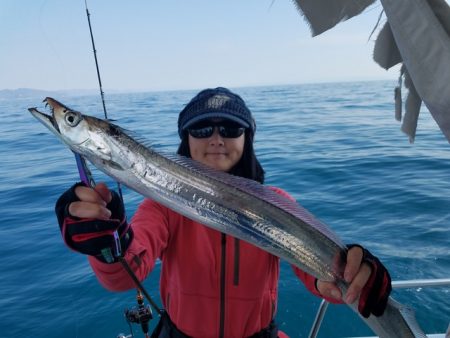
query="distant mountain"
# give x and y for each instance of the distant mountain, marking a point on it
(33, 93)
(22, 93)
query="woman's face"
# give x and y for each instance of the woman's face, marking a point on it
(216, 151)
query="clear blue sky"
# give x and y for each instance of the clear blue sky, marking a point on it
(167, 44)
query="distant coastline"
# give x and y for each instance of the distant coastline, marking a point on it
(24, 93)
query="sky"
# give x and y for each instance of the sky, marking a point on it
(170, 45)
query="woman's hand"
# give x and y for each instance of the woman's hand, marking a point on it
(368, 279)
(91, 202)
(89, 218)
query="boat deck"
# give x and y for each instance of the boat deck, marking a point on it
(428, 335)
(418, 283)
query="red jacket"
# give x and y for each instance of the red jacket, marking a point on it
(210, 282)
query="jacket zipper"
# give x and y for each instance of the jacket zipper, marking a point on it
(236, 262)
(168, 302)
(222, 286)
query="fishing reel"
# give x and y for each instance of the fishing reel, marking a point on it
(140, 314)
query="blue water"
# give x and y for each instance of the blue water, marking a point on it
(334, 147)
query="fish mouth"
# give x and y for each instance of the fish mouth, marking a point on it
(54, 104)
(49, 120)
(57, 110)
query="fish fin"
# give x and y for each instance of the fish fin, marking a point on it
(114, 129)
(259, 191)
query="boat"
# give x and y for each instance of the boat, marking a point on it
(418, 285)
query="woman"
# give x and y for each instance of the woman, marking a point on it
(212, 285)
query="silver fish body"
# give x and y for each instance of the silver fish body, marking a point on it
(233, 205)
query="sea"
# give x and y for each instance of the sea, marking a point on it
(335, 147)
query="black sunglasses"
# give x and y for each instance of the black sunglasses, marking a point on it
(226, 129)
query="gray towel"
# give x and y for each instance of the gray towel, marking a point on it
(325, 14)
(386, 54)
(423, 30)
(412, 109)
(385, 51)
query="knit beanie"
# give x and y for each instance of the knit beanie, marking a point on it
(216, 103)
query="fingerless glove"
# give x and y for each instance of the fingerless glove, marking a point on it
(91, 236)
(375, 294)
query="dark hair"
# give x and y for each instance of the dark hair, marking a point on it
(248, 166)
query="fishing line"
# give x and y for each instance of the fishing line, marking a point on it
(84, 170)
(51, 46)
(376, 25)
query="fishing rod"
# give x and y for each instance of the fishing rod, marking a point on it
(102, 94)
(81, 162)
(141, 314)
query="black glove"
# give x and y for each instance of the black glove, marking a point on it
(91, 236)
(375, 294)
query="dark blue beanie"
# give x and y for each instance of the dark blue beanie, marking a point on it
(215, 103)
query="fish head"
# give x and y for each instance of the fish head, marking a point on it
(82, 133)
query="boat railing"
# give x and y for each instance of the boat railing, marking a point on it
(407, 284)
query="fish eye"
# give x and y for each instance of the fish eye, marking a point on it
(72, 118)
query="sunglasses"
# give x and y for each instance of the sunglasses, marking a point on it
(226, 129)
